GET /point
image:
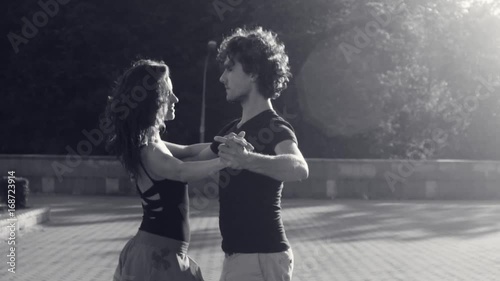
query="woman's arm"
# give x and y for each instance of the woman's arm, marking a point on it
(186, 151)
(164, 165)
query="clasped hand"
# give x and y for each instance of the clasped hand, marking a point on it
(234, 150)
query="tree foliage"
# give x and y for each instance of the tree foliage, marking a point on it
(372, 79)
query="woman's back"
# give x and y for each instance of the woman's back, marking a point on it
(165, 202)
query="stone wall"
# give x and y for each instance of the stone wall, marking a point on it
(329, 178)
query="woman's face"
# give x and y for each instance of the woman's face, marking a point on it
(171, 101)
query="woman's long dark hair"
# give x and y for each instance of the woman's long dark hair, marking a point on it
(135, 110)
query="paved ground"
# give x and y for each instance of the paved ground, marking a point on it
(332, 240)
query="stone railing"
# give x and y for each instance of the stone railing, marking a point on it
(399, 179)
(329, 178)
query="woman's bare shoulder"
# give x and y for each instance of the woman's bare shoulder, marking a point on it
(155, 153)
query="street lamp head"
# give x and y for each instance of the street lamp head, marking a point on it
(212, 45)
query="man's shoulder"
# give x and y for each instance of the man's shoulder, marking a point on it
(230, 125)
(277, 120)
(274, 129)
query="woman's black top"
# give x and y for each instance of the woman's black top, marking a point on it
(166, 209)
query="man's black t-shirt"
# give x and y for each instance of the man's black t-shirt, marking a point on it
(250, 203)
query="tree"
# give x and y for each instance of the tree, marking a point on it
(371, 79)
(399, 75)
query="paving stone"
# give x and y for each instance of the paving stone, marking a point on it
(332, 240)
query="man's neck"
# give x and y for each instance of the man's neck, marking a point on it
(253, 106)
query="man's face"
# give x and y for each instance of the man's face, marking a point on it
(238, 84)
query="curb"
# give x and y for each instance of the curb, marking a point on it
(26, 219)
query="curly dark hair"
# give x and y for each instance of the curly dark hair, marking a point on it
(135, 110)
(261, 53)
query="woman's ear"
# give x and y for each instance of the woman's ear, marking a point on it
(254, 77)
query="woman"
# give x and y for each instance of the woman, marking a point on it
(142, 100)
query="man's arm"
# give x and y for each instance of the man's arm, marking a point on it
(287, 165)
(202, 151)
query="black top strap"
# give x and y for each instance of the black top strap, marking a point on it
(147, 174)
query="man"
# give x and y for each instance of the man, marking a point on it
(256, 70)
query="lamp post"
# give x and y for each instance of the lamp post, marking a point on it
(210, 47)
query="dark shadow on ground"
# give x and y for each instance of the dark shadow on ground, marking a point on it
(333, 221)
(60, 223)
(116, 239)
(348, 221)
(68, 210)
